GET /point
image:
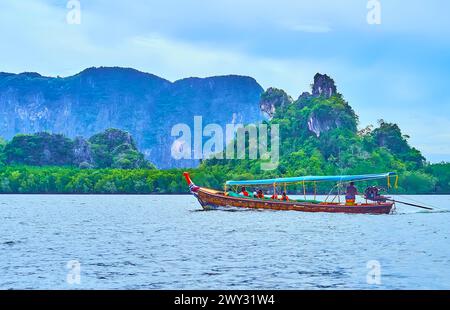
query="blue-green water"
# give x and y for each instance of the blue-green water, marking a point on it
(165, 242)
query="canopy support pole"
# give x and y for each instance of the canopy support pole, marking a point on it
(304, 190)
(329, 194)
(315, 190)
(339, 193)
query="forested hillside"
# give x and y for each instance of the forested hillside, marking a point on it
(319, 136)
(318, 132)
(140, 103)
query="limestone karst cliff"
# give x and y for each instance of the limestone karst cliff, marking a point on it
(143, 104)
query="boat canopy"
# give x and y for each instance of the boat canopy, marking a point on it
(338, 178)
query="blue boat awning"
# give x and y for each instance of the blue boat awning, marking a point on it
(337, 178)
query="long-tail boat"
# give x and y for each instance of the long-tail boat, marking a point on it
(215, 199)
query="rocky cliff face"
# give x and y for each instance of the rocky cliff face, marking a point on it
(143, 104)
(273, 99)
(82, 153)
(319, 111)
(323, 86)
(331, 111)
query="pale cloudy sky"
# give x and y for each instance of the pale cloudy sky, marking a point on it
(398, 71)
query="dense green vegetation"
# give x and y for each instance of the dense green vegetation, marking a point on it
(28, 179)
(441, 175)
(39, 149)
(70, 180)
(112, 148)
(117, 149)
(143, 104)
(319, 136)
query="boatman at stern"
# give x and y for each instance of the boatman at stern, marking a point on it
(350, 195)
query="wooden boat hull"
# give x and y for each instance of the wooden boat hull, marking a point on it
(211, 199)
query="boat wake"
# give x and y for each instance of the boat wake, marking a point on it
(422, 212)
(225, 209)
(435, 211)
(232, 209)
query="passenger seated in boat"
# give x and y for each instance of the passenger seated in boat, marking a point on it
(274, 196)
(260, 194)
(350, 196)
(372, 193)
(244, 192)
(284, 197)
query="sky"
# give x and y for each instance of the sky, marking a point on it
(398, 70)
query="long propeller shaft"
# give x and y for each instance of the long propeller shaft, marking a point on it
(410, 204)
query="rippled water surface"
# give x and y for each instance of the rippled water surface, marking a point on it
(165, 242)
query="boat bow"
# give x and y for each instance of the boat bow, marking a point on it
(192, 187)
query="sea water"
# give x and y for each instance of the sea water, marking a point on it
(168, 242)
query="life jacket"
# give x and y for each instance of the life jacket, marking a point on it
(350, 202)
(245, 193)
(285, 198)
